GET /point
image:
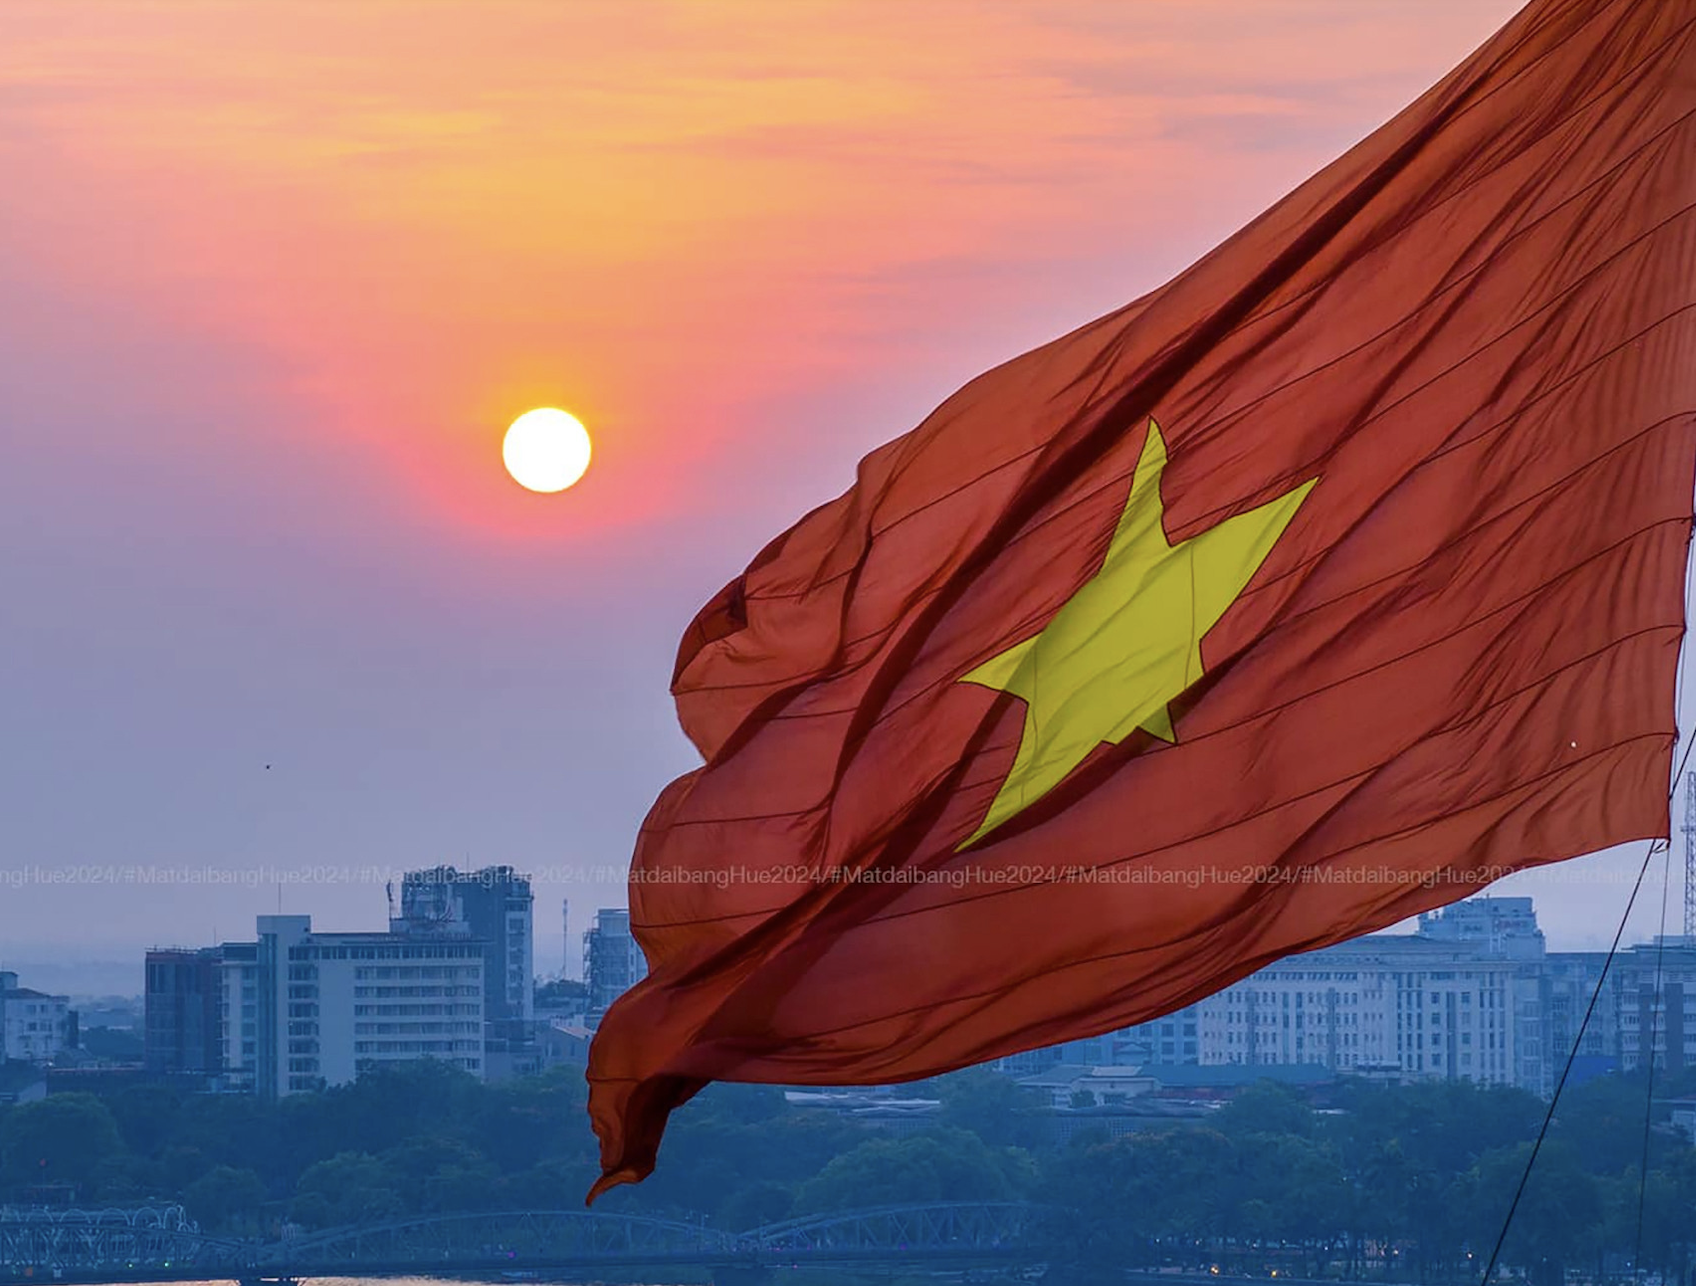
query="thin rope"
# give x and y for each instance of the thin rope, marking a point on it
(1654, 1033)
(1578, 1040)
(1601, 981)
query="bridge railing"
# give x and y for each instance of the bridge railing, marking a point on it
(529, 1235)
(950, 1228)
(46, 1239)
(87, 1245)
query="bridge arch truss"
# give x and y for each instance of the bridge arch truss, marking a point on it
(160, 1244)
(943, 1230)
(518, 1237)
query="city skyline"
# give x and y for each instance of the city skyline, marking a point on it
(116, 970)
(1476, 992)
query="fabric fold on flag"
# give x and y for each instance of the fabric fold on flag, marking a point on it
(1323, 585)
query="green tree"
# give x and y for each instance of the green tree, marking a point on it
(761, 1202)
(941, 1165)
(1656, 1208)
(434, 1174)
(994, 1107)
(1268, 1108)
(226, 1200)
(179, 1165)
(149, 1117)
(561, 993)
(1404, 1149)
(1602, 1121)
(124, 1179)
(231, 1128)
(64, 1138)
(349, 1188)
(1440, 1126)
(519, 1124)
(1559, 1219)
(722, 1142)
(1299, 1191)
(553, 1183)
(1164, 1196)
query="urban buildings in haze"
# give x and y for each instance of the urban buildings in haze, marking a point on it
(492, 906)
(612, 962)
(1422, 1007)
(296, 1010)
(333, 1005)
(1473, 994)
(34, 1027)
(186, 1011)
(1652, 994)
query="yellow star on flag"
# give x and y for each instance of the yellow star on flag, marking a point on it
(1129, 640)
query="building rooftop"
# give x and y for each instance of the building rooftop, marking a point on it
(1235, 1075)
(1145, 1106)
(855, 1100)
(1058, 1077)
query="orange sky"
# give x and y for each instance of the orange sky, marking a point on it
(279, 273)
(668, 217)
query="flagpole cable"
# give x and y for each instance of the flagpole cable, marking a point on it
(1656, 1002)
(1654, 1033)
(1601, 979)
(1577, 1043)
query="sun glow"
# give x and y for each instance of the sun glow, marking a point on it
(546, 450)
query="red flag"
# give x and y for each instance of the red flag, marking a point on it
(1334, 579)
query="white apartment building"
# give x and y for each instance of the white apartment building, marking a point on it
(329, 1006)
(238, 973)
(1653, 995)
(612, 961)
(34, 1027)
(1474, 995)
(493, 905)
(1385, 1003)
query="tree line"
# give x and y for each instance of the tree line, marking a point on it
(1379, 1182)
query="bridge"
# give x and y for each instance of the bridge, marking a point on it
(160, 1244)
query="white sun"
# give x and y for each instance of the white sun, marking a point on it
(546, 450)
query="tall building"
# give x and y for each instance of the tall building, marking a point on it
(1654, 995)
(1506, 929)
(238, 1014)
(565, 937)
(1173, 1039)
(1570, 981)
(492, 906)
(1503, 928)
(34, 1027)
(1474, 994)
(1336, 1007)
(1423, 1008)
(1466, 997)
(330, 1006)
(297, 1010)
(183, 1024)
(1380, 1002)
(612, 962)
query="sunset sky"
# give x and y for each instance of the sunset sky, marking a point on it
(276, 276)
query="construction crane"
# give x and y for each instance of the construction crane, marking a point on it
(1690, 857)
